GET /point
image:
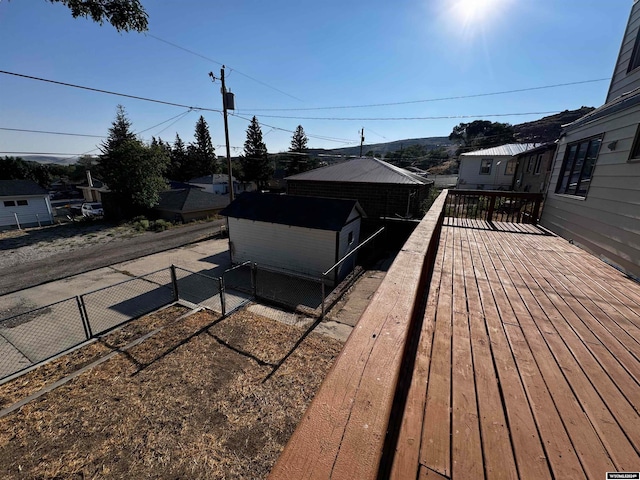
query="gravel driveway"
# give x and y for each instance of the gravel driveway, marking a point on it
(37, 256)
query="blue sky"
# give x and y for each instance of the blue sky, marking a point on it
(320, 54)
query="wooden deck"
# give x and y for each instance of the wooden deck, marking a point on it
(489, 351)
(527, 364)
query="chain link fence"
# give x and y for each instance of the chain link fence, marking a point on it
(112, 306)
(30, 338)
(24, 220)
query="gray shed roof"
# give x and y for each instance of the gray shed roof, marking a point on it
(509, 149)
(191, 200)
(309, 212)
(362, 170)
(12, 188)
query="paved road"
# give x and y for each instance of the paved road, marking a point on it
(29, 274)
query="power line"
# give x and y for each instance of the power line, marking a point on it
(52, 133)
(135, 97)
(168, 120)
(442, 117)
(219, 63)
(458, 97)
(319, 137)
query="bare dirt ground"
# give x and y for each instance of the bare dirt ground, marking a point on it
(203, 398)
(35, 256)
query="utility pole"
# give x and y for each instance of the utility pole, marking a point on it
(225, 102)
(361, 139)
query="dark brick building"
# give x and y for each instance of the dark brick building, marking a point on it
(382, 189)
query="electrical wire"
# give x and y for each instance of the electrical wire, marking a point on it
(51, 133)
(441, 99)
(135, 97)
(441, 117)
(223, 66)
(319, 137)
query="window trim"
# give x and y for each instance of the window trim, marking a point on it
(538, 164)
(490, 160)
(513, 163)
(634, 61)
(635, 147)
(563, 167)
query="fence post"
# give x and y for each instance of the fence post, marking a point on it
(536, 210)
(174, 283)
(254, 279)
(223, 301)
(17, 221)
(322, 287)
(492, 205)
(83, 315)
(38, 220)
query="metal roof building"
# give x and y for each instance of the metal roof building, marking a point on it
(509, 149)
(382, 189)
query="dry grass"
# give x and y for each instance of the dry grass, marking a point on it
(190, 402)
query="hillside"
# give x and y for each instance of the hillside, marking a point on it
(548, 129)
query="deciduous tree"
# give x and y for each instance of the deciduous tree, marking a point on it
(122, 14)
(482, 134)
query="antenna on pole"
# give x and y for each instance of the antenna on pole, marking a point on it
(361, 139)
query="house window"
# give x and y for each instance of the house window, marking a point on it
(9, 203)
(577, 168)
(530, 164)
(22, 203)
(536, 169)
(635, 56)
(635, 149)
(350, 238)
(510, 169)
(485, 166)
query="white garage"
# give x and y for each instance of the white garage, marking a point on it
(305, 235)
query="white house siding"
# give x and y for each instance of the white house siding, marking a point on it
(345, 247)
(469, 173)
(298, 249)
(607, 221)
(37, 208)
(622, 81)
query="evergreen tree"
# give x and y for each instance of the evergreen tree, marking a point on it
(299, 140)
(132, 170)
(298, 161)
(201, 154)
(178, 163)
(255, 162)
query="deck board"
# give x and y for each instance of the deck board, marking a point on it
(528, 364)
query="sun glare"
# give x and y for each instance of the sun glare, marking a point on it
(476, 13)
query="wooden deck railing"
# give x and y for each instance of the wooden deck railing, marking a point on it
(357, 411)
(494, 206)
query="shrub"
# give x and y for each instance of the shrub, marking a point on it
(160, 225)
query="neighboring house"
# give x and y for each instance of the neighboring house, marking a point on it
(92, 190)
(219, 184)
(382, 189)
(307, 235)
(533, 168)
(189, 204)
(490, 168)
(594, 191)
(24, 203)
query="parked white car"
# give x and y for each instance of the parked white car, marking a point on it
(92, 210)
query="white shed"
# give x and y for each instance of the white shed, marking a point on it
(23, 203)
(491, 168)
(307, 235)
